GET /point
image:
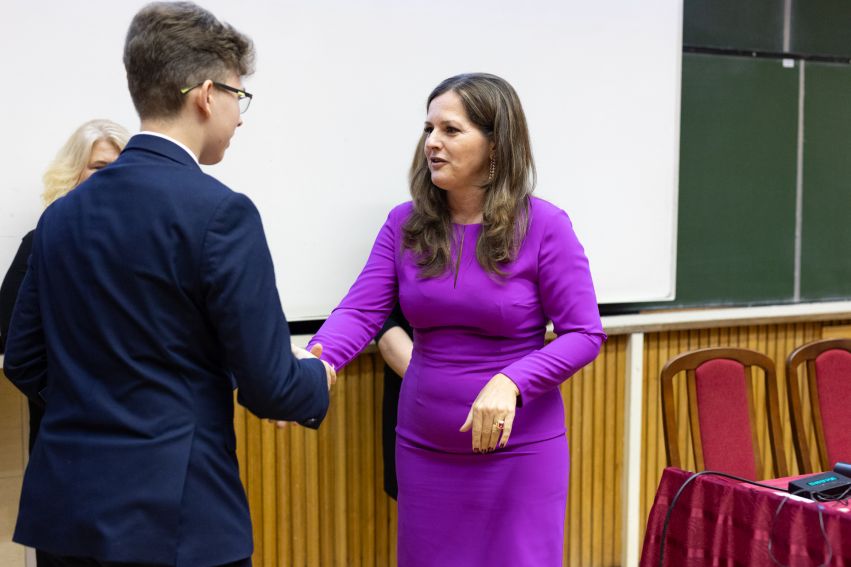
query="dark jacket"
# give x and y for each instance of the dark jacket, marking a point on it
(150, 295)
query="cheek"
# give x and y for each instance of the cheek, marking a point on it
(85, 175)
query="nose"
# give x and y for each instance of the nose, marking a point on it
(432, 141)
(240, 121)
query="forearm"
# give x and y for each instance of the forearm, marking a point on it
(348, 331)
(299, 392)
(354, 323)
(551, 365)
(244, 307)
(396, 348)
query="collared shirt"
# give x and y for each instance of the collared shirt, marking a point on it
(173, 141)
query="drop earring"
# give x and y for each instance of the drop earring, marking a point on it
(492, 170)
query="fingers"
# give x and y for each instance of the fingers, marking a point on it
(506, 429)
(496, 431)
(300, 353)
(330, 375)
(489, 432)
(477, 429)
(468, 423)
(316, 350)
(492, 415)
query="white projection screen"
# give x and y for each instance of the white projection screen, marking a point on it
(339, 103)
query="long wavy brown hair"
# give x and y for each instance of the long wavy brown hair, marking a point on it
(494, 107)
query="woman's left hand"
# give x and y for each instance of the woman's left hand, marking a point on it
(492, 414)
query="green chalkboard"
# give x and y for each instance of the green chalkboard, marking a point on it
(734, 24)
(738, 144)
(739, 140)
(826, 230)
(821, 27)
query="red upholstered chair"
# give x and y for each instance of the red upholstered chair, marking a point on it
(828, 381)
(721, 411)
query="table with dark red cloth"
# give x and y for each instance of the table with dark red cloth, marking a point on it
(723, 522)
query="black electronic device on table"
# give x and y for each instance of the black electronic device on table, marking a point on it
(826, 486)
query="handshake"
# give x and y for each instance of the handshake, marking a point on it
(330, 376)
(316, 352)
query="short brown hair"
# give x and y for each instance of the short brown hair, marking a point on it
(172, 45)
(492, 104)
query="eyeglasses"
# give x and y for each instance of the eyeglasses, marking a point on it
(242, 96)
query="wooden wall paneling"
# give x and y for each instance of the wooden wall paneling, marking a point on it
(253, 482)
(594, 409)
(297, 506)
(371, 456)
(269, 490)
(241, 436)
(584, 461)
(326, 475)
(338, 412)
(382, 503)
(598, 487)
(620, 386)
(283, 514)
(651, 427)
(571, 395)
(353, 516)
(314, 539)
(758, 394)
(610, 451)
(836, 331)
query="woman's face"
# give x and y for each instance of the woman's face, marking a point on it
(457, 151)
(103, 154)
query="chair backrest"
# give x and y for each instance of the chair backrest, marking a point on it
(721, 411)
(828, 380)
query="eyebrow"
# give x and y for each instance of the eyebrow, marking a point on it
(99, 162)
(450, 121)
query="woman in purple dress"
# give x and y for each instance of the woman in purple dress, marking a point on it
(478, 266)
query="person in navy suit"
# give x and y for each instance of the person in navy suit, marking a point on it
(149, 296)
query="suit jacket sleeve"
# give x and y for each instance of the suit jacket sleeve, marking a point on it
(238, 281)
(25, 362)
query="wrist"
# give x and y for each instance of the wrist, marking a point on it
(510, 383)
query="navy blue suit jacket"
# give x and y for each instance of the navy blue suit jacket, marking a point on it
(150, 295)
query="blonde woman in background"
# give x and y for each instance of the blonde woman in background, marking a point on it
(92, 146)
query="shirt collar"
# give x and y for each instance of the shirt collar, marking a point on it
(173, 141)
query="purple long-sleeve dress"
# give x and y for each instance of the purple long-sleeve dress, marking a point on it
(458, 508)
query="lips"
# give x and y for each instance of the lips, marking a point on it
(436, 161)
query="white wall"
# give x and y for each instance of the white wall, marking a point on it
(340, 90)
